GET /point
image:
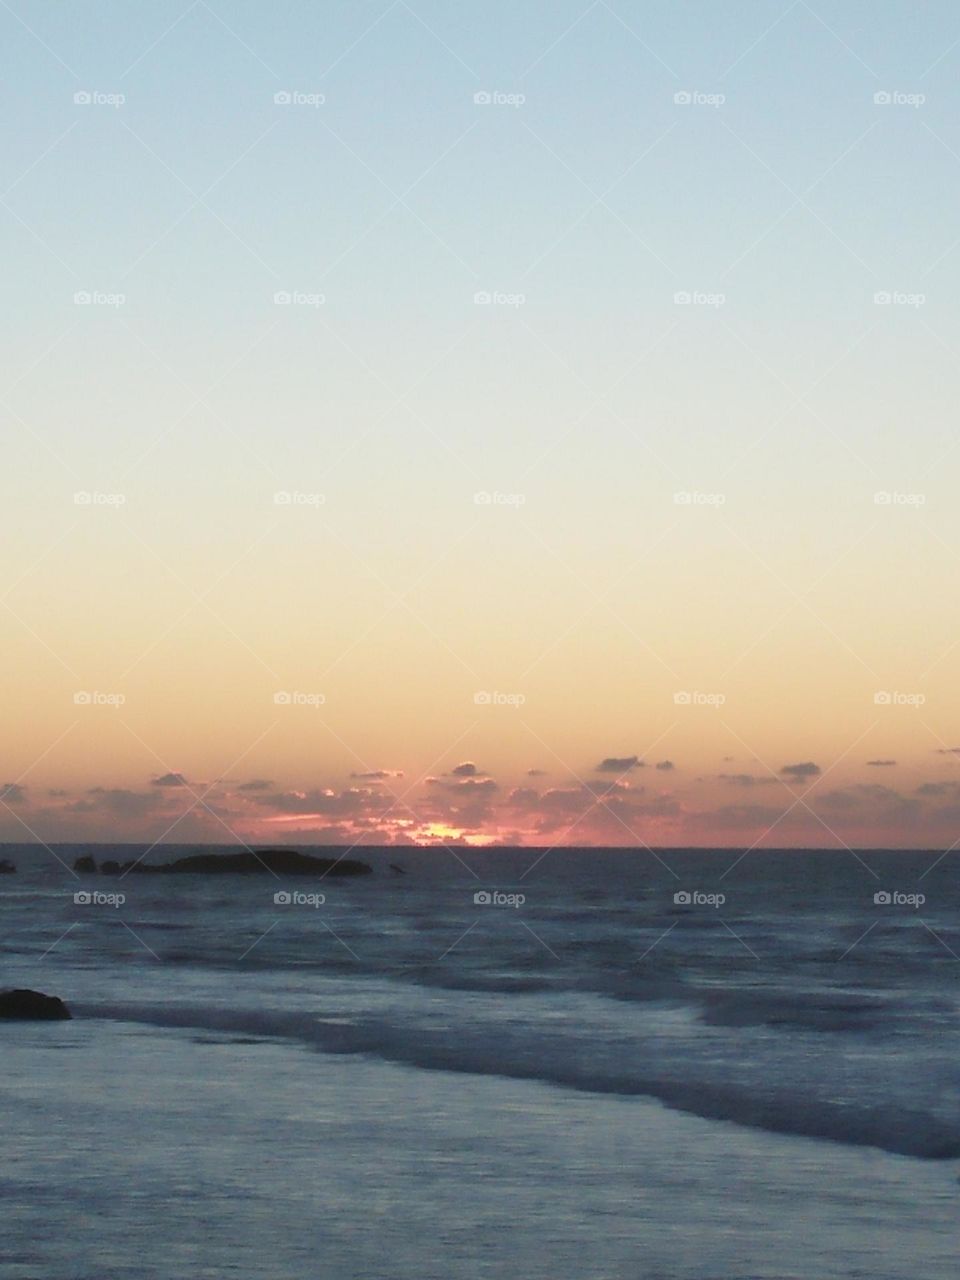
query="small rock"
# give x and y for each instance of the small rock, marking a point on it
(25, 1005)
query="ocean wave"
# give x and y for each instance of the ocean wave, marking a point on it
(778, 1108)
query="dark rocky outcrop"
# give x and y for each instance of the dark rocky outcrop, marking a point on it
(287, 862)
(32, 1006)
(7, 868)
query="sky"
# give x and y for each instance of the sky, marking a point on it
(458, 423)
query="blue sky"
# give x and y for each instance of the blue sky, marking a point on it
(631, 154)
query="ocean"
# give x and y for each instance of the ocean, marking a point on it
(641, 1065)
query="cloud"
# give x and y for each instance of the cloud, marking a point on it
(868, 798)
(523, 798)
(124, 803)
(466, 805)
(587, 812)
(322, 801)
(619, 764)
(840, 800)
(568, 799)
(12, 793)
(464, 785)
(938, 789)
(466, 770)
(746, 779)
(660, 807)
(749, 817)
(948, 751)
(805, 770)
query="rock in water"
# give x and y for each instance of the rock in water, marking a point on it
(85, 865)
(288, 862)
(34, 1006)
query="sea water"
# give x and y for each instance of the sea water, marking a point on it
(592, 1063)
